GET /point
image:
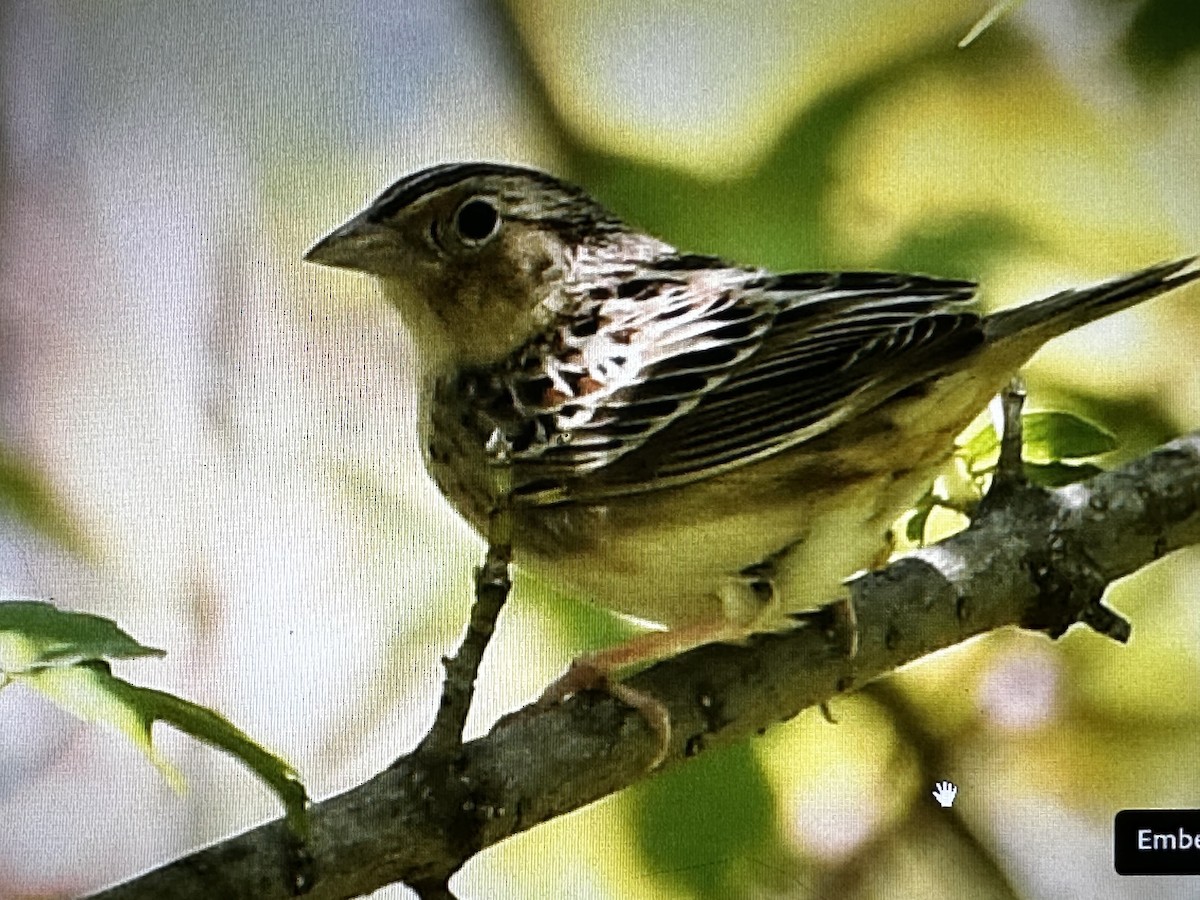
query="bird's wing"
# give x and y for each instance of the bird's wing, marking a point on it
(693, 370)
(874, 335)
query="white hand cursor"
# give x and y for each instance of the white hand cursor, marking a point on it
(945, 793)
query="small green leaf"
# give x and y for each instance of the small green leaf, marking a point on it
(914, 528)
(1048, 436)
(1051, 436)
(943, 522)
(35, 634)
(63, 656)
(980, 445)
(91, 692)
(1058, 474)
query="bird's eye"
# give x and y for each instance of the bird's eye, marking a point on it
(476, 221)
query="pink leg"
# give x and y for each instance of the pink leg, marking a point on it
(592, 670)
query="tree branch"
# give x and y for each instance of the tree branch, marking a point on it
(1032, 558)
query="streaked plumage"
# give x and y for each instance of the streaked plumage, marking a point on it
(703, 445)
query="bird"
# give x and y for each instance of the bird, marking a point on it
(710, 447)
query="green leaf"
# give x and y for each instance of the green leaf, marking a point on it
(914, 528)
(91, 692)
(1048, 437)
(1058, 474)
(63, 656)
(980, 445)
(35, 634)
(88, 691)
(1051, 436)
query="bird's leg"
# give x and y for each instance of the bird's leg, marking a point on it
(595, 671)
(847, 619)
(848, 613)
(839, 617)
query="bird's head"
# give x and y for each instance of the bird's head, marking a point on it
(478, 257)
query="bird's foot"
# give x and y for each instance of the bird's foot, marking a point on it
(846, 616)
(588, 674)
(837, 620)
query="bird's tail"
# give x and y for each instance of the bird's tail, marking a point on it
(1042, 320)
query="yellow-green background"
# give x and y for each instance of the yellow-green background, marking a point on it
(228, 432)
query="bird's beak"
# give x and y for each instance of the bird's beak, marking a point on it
(360, 244)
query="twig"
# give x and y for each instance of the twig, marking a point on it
(492, 584)
(1010, 470)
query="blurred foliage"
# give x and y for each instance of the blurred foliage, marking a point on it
(708, 828)
(981, 153)
(27, 497)
(1162, 36)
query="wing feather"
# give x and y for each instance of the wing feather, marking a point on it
(689, 370)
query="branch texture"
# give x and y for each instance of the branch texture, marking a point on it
(1037, 559)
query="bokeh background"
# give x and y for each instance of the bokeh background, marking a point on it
(212, 443)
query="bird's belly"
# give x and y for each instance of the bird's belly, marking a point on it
(815, 515)
(676, 556)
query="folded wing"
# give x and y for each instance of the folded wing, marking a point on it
(692, 370)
